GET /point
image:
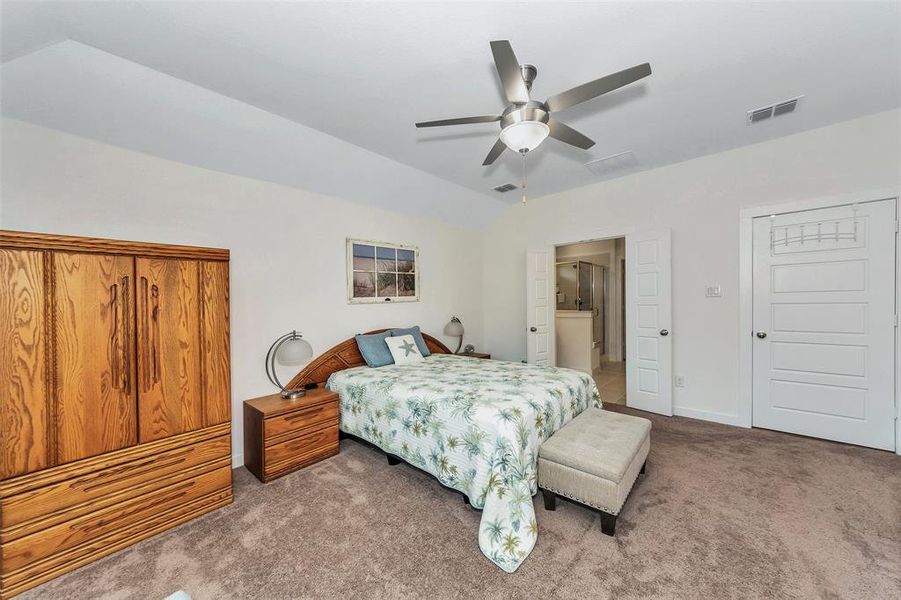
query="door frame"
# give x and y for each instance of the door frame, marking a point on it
(746, 291)
(592, 235)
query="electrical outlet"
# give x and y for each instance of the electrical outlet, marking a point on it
(714, 291)
(679, 380)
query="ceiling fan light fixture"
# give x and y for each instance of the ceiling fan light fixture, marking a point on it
(524, 135)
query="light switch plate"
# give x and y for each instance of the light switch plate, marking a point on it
(714, 291)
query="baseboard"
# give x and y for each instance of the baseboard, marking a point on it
(709, 415)
(237, 460)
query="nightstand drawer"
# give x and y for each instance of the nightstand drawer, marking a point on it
(298, 461)
(302, 419)
(304, 444)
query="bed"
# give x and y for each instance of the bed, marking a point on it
(474, 424)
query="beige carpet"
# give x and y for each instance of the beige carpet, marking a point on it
(722, 513)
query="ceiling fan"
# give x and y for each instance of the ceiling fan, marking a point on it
(525, 123)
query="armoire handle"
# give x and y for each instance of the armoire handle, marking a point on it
(146, 375)
(155, 325)
(126, 346)
(116, 339)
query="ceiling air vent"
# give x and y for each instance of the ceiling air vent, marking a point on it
(774, 110)
(612, 163)
(760, 114)
(507, 187)
(785, 107)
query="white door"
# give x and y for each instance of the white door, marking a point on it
(824, 323)
(540, 304)
(649, 353)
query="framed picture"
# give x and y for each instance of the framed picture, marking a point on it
(381, 272)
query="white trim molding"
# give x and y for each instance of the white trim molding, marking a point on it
(708, 415)
(746, 291)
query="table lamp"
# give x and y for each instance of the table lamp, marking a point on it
(455, 328)
(289, 349)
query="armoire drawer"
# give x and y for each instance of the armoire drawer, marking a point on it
(51, 541)
(92, 485)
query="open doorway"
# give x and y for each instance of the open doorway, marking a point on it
(645, 257)
(590, 313)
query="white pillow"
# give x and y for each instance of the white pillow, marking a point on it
(403, 349)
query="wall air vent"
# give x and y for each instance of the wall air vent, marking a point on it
(774, 110)
(507, 187)
(612, 163)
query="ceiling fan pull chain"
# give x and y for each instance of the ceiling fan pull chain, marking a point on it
(524, 182)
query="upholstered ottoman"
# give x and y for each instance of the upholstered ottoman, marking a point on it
(594, 459)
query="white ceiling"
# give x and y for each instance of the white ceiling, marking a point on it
(240, 86)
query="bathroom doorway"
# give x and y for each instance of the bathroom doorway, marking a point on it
(590, 313)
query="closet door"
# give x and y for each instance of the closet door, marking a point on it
(169, 351)
(24, 372)
(216, 367)
(93, 305)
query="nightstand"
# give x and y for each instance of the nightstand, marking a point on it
(281, 436)
(484, 355)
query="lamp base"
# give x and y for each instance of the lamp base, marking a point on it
(293, 394)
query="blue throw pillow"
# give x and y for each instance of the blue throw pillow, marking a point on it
(374, 349)
(417, 336)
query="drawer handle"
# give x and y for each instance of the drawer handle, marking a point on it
(303, 414)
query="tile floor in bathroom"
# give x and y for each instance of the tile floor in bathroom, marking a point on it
(611, 381)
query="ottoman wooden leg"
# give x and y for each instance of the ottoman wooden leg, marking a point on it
(550, 500)
(608, 523)
(392, 460)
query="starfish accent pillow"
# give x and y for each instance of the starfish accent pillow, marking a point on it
(403, 349)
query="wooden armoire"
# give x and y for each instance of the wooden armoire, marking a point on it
(114, 397)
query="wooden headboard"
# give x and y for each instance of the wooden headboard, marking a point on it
(344, 356)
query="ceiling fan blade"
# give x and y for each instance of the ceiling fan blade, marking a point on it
(595, 88)
(568, 135)
(496, 151)
(460, 121)
(508, 70)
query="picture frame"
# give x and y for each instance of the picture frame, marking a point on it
(381, 272)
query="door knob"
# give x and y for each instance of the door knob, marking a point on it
(761, 334)
(664, 332)
(533, 329)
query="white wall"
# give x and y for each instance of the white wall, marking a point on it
(700, 201)
(287, 246)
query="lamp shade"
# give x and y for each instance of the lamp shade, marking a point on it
(524, 135)
(294, 351)
(454, 328)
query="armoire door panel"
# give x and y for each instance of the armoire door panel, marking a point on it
(96, 403)
(216, 351)
(169, 350)
(24, 365)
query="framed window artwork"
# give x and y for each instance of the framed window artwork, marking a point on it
(381, 272)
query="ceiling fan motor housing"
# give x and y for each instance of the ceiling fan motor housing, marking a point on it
(530, 111)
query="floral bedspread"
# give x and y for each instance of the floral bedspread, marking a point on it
(474, 424)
